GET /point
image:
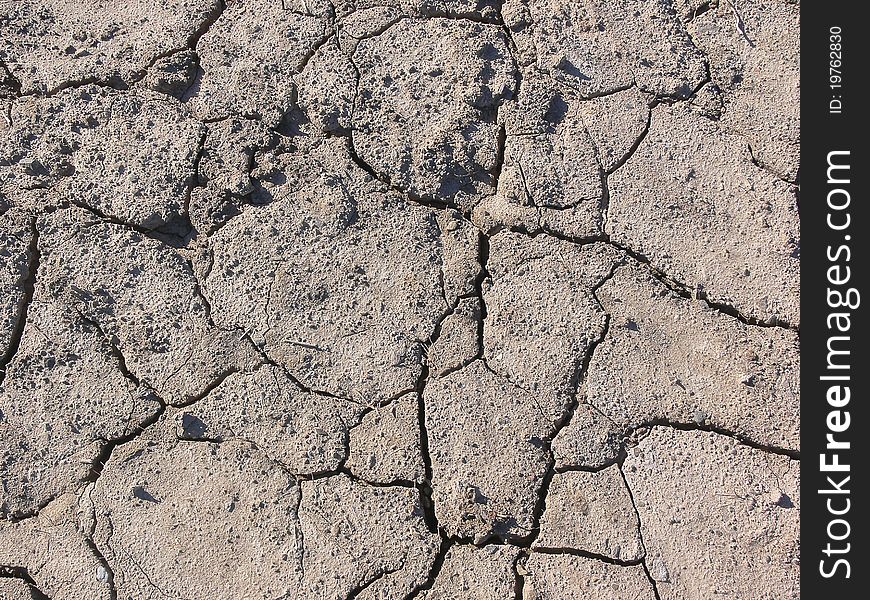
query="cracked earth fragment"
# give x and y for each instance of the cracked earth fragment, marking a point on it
(425, 113)
(599, 47)
(166, 511)
(691, 200)
(63, 399)
(15, 241)
(569, 577)
(128, 156)
(344, 288)
(459, 340)
(54, 553)
(591, 512)
(365, 20)
(50, 44)
(758, 75)
(668, 358)
(385, 446)
(486, 441)
(590, 440)
(727, 522)
(542, 317)
(304, 432)
(550, 177)
(145, 299)
(249, 56)
(327, 88)
(616, 122)
(370, 542)
(475, 573)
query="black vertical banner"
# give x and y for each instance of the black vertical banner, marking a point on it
(835, 231)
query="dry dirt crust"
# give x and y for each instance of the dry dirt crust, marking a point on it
(390, 299)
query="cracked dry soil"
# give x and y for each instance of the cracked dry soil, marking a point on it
(385, 299)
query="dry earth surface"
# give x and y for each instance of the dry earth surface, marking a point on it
(392, 299)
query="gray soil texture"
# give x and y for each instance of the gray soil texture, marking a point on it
(395, 299)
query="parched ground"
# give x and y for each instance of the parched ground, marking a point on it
(392, 299)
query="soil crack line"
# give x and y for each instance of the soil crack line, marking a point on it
(29, 287)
